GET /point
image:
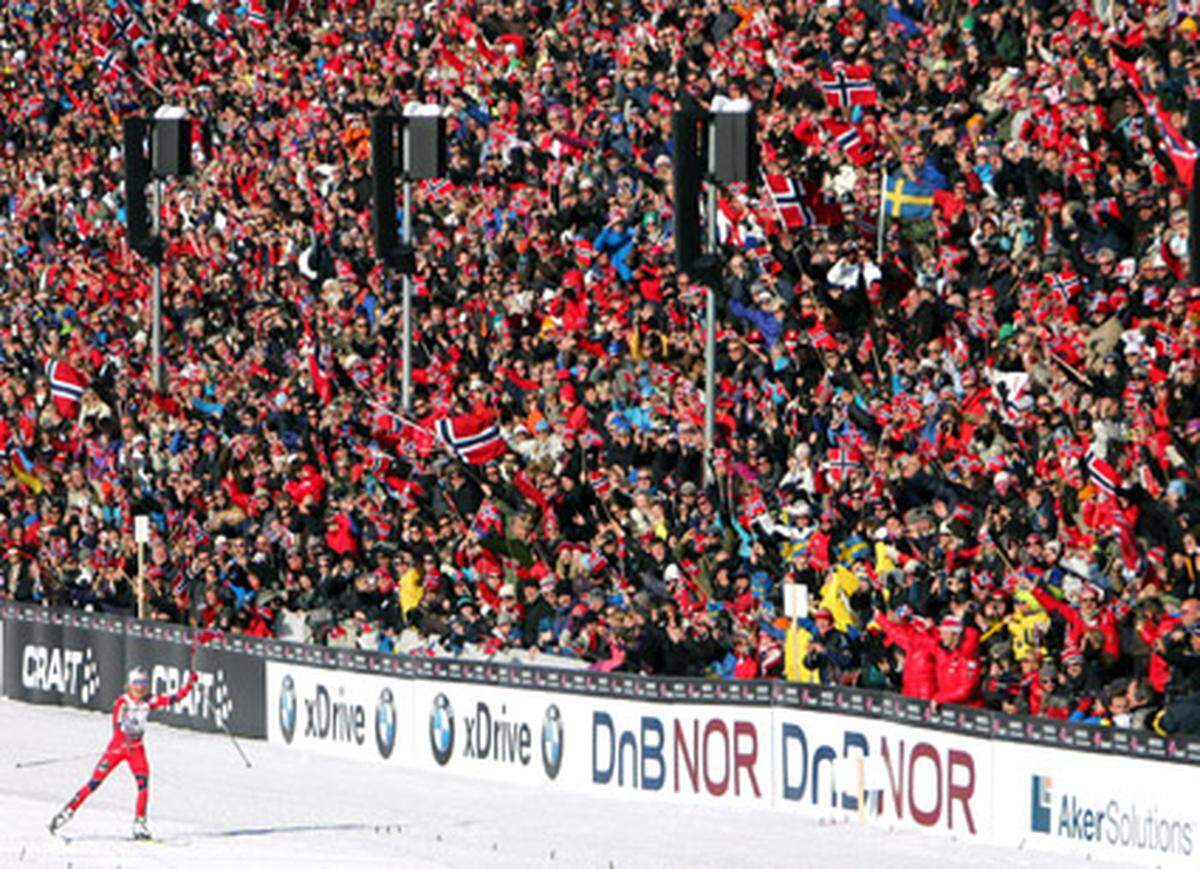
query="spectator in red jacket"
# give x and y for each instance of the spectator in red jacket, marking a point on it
(949, 667)
(920, 664)
(1084, 620)
(959, 672)
(1153, 624)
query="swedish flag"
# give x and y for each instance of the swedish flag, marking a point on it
(908, 200)
(853, 548)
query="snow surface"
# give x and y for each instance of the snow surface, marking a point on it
(293, 809)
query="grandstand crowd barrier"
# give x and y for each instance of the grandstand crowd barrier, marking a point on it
(829, 753)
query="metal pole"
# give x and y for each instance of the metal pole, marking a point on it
(882, 216)
(141, 580)
(156, 298)
(710, 341)
(1193, 132)
(406, 334)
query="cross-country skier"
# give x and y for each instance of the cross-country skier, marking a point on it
(129, 726)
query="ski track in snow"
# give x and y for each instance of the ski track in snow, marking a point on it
(297, 809)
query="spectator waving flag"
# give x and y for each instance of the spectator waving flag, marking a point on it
(258, 17)
(26, 471)
(473, 437)
(848, 85)
(120, 26)
(848, 139)
(66, 387)
(319, 364)
(787, 196)
(842, 461)
(1064, 285)
(1179, 148)
(488, 521)
(109, 64)
(1101, 474)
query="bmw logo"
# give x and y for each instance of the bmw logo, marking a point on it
(287, 708)
(385, 723)
(552, 741)
(441, 729)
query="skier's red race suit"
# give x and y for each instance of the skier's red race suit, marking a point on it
(129, 726)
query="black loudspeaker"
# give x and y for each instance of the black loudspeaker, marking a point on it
(732, 147)
(706, 271)
(137, 177)
(685, 188)
(172, 144)
(424, 147)
(406, 259)
(383, 187)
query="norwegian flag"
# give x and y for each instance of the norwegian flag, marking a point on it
(821, 339)
(841, 462)
(473, 437)
(1131, 552)
(1101, 474)
(488, 520)
(109, 65)
(1064, 284)
(963, 512)
(66, 387)
(257, 17)
(34, 106)
(123, 24)
(849, 140)
(752, 508)
(848, 85)
(1179, 148)
(601, 483)
(439, 189)
(319, 364)
(1105, 209)
(787, 196)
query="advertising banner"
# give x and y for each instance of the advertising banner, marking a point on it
(907, 776)
(62, 664)
(352, 715)
(498, 733)
(824, 753)
(686, 753)
(1097, 806)
(228, 690)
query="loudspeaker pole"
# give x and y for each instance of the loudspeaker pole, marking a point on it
(156, 313)
(406, 328)
(710, 341)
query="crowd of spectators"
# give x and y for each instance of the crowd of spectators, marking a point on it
(974, 447)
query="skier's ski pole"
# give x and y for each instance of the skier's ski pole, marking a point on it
(236, 744)
(200, 640)
(46, 761)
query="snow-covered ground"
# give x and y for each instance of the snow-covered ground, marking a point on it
(292, 809)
